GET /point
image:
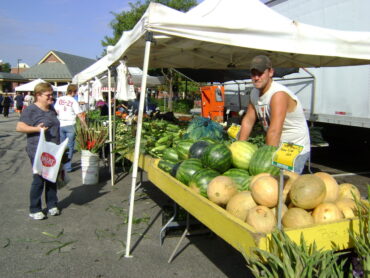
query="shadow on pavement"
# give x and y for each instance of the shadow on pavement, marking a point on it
(86, 193)
(222, 255)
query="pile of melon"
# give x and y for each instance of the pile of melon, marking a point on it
(308, 200)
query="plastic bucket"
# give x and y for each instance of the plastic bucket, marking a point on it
(89, 167)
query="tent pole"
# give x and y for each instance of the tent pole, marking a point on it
(137, 140)
(110, 130)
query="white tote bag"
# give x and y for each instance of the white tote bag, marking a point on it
(48, 158)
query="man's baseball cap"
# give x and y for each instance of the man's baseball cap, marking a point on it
(260, 63)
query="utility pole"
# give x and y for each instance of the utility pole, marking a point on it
(18, 60)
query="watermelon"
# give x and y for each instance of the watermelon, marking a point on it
(200, 180)
(170, 154)
(183, 147)
(209, 140)
(197, 149)
(217, 157)
(187, 169)
(174, 169)
(165, 165)
(240, 177)
(242, 152)
(261, 161)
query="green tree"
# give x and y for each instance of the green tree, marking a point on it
(5, 67)
(126, 20)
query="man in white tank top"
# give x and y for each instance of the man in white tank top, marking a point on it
(278, 109)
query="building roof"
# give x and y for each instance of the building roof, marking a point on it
(7, 76)
(66, 66)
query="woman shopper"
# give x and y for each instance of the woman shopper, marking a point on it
(68, 108)
(35, 117)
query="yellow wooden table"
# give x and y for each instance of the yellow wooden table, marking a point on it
(145, 161)
(239, 234)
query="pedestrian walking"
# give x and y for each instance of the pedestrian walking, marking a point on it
(68, 108)
(19, 102)
(7, 102)
(1, 103)
(35, 117)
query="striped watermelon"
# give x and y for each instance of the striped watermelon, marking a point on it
(197, 149)
(183, 147)
(242, 152)
(200, 180)
(166, 165)
(261, 161)
(217, 157)
(240, 177)
(187, 169)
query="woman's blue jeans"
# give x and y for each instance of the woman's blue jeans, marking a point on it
(70, 133)
(37, 188)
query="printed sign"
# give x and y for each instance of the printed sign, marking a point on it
(285, 156)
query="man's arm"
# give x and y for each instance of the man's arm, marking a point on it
(279, 107)
(247, 123)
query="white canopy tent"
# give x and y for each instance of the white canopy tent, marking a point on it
(221, 34)
(30, 86)
(62, 88)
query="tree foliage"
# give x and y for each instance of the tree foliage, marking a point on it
(126, 20)
(5, 67)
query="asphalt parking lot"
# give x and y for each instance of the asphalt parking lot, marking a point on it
(88, 239)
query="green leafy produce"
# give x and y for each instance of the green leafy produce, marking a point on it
(290, 260)
(201, 127)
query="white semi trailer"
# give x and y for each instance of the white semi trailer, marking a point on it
(339, 95)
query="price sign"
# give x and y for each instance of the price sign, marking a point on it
(285, 156)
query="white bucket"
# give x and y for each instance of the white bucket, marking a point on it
(89, 167)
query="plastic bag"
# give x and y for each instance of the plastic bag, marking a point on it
(48, 158)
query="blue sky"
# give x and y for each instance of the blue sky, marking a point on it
(31, 28)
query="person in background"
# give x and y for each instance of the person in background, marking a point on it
(19, 102)
(35, 117)
(28, 100)
(1, 103)
(278, 109)
(7, 102)
(67, 109)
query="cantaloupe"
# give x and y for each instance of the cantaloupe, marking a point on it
(265, 191)
(254, 178)
(240, 203)
(221, 189)
(307, 191)
(261, 219)
(347, 206)
(296, 218)
(332, 188)
(284, 209)
(326, 212)
(289, 177)
(347, 189)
